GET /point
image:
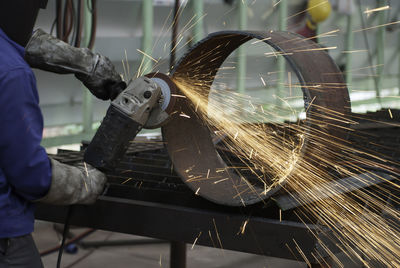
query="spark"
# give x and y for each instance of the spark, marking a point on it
(189, 169)
(221, 180)
(308, 9)
(241, 138)
(147, 55)
(86, 169)
(227, 68)
(277, 3)
(125, 74)
(197, 106)
(277, 53)
(197, 191)
(262, 80)
(87, 175)
(353, 51)
(308, 107)
(315, 49)
(216, 232)
(184, 115)
(178, 96)
(279, 161)
(125, 181)
(212, 240)
(377, 26)
(369, 11)
(390, 113)
(322, 35)
(302, 254)
(261, 40)
(127, 63)
(195, 240)
(243, 227)
(236, 135)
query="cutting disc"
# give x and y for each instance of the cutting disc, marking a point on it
(160, 114)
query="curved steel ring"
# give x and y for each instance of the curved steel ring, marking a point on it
(189, 142)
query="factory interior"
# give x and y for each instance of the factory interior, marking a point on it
(233, 133)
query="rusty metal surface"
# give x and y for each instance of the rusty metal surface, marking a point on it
(189, 142)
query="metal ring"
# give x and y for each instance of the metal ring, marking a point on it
(189, 142)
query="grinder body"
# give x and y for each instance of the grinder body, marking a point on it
(125, 117)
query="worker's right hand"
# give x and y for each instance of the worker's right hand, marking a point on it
(103, 81)
(74, 185)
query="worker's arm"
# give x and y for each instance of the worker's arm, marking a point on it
(23, 161)
(96, 72)
(74, 185)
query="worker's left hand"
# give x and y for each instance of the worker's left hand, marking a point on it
(96, 71)
(104, 82)
(74, 184)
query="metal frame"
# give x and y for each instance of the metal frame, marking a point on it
(263, 236)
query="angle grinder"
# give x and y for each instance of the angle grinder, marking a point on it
(146, 102)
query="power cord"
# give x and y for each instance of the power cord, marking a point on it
(64, 235)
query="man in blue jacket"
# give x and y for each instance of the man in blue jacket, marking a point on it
(27, 174)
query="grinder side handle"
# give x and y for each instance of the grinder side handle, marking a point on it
(111, 140)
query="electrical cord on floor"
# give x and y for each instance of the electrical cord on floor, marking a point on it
(75, 239)
(64, 235)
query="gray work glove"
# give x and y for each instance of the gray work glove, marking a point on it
(74, 185)
(96, 72)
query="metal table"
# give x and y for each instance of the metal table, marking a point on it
(145, 197)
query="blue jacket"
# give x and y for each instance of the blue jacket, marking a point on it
(25, 170)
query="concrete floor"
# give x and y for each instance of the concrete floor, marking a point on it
(146, 256)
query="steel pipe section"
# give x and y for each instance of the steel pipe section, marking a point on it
(189, 142)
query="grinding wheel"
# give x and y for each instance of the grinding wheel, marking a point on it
(189, 142)
(160, 114)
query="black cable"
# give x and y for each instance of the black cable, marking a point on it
(79, 25)
(73, 23)
(75, 239)
(65, 232)
(53, 25)
(174, 33)
(59, 18)
(64, 21)
(94, 24)
(55, 19)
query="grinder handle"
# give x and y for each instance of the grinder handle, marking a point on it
(111, 140)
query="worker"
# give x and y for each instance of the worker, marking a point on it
(27, 174)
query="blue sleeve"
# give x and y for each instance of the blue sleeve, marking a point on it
(24, 162)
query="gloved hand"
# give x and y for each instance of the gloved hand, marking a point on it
(104, 82)
(74, 185)
(97, 72)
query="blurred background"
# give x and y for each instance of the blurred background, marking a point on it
(361, 36)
